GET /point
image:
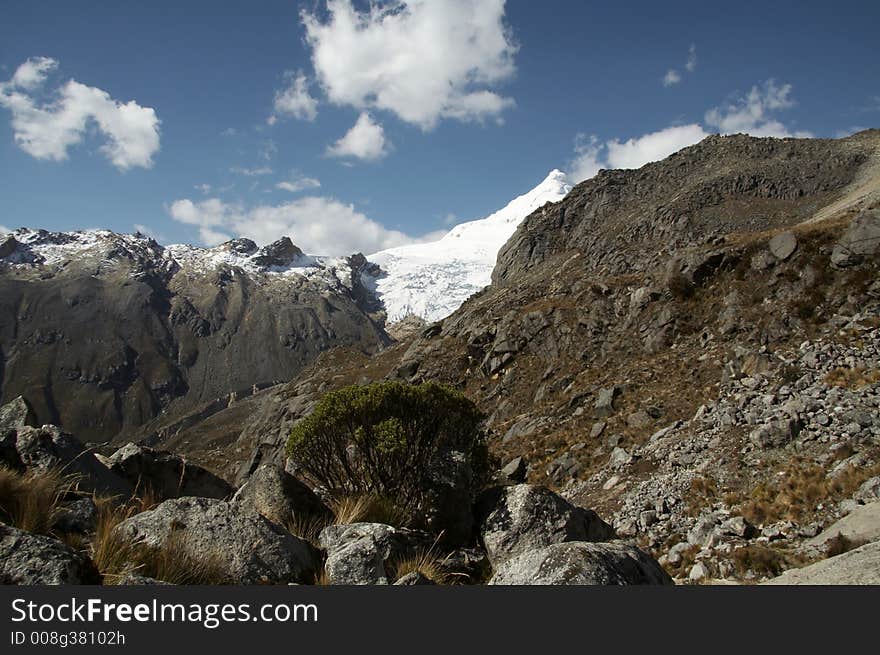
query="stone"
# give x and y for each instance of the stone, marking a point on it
(77, 517)
(638, 420)
(358, 553)
(134, 580)
(48, 448)
(737, 526)
(30, 559)
(249, 548)
(166, 474)
(526, 517)
(643, 296)
(861, 239)
(775, 433)
(861, 525)
(783, 245)
(515, 470)
(869, 490)
(597, 429)
(856, 567)
(280, 497)
(581, 563)
(699, 572)
(416, 578)
(619, 457)
(16, 414)
(605, 401)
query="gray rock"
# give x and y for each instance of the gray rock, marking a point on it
(869, 491)
(78, 517)
(16, 414)
(515, 470)
(597, 429)
(862, 238)
(49, 448)
(134, 580)
(783, 245)
(580, 563)
(861, 525)
(250, 548)
(526, 517)
(856, 567)
(358, 553)
(166, 474)
(30, 559)
(605, 401)
(413, 579)
(638, 420)
(775, 433)
(737, 526)
(699, 571)
(280, 497)
(619, 457)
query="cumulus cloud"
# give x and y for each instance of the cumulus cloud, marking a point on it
(752, 113)
(423, 60)
(671, 78)
(318, 225)
(633, 153)
(691, 64)
(365, 140)
(47, 130)
(294, 99)
(298, 183)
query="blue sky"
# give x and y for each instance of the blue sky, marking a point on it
(187, 119)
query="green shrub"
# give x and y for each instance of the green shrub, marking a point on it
(384, 438)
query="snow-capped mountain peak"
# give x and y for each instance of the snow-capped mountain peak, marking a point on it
(432, 280)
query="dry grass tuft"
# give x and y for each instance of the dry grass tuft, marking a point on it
(307, 527)
(425, 562)
(852, 378)
(31, 501)
(172, 562)
(368, 508)
(763, 561)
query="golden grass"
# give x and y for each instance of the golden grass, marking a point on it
(31, 501)
(368, 508)
(425, 562)
(852, 378)
(172, 562)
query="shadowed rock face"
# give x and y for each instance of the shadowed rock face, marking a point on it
(100, 333)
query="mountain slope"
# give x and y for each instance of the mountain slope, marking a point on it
(103, 332)
(431, 280)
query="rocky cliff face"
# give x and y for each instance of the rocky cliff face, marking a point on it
(103, 332)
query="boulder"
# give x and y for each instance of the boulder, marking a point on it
(861, 239)
(48, 448)
(861, 525)
(856, 567)
(870, 490)
(280, 497)
(580, 563)
(78, 517)
(249, 548)
(526, 517)
(358, 553)
(605, 401)
(30, 559)
(515, 471)
(775, 433)
(166, 474)
(783, 245)
(16, 414)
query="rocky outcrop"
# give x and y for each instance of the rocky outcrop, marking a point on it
(276, 494)
(861, 239)
(579, 563)
(29, 559)
(362, 553)
(166, 475)
(249, 548)
(856, 567)
(527, 518)
(860, 526)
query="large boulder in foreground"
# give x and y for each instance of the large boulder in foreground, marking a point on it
(861, 239)
(166, 474)
(856, 567)
(16, 414)
(362, 553)
(525, 518)
(860, 526)
(249, 548)
(581, 563)
(276, 494)
(30, 559)
(49, 448)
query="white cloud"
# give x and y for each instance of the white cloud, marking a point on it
(298, 183)
(251, 172)
(204, 188)
(752, 113)
(146, 230)
(318, 225)
(48, 130)
(366, 141)
(423, 60)
(295, 99)
(672, 77)
(691, 64)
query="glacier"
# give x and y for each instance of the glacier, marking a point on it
(432, 280)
